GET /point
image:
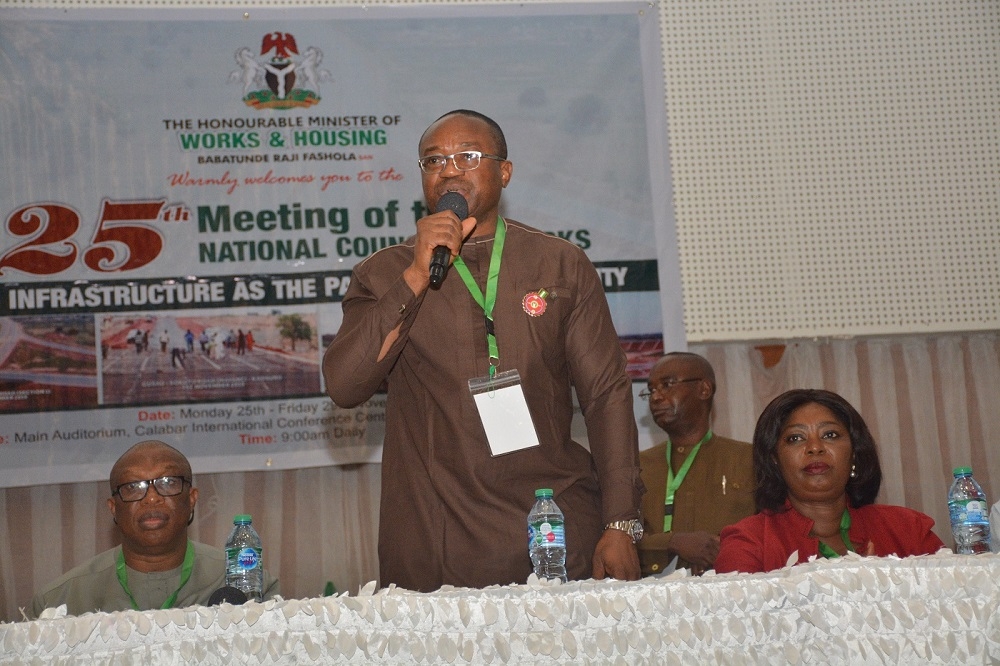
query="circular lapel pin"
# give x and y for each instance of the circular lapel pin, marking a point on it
(534, 302)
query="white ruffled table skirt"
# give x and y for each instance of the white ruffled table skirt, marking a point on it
(934, 609)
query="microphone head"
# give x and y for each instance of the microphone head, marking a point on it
(227, 594)
(454, 202)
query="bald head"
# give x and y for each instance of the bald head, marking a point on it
(694, 362)
(154, 526)
(681, 389)
(148, 450)
(495, 131)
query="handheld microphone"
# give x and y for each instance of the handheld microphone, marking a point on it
(227, 594)
(440, 260)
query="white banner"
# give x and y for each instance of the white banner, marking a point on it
(186, 192)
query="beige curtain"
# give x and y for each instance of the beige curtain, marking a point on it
(931, 401)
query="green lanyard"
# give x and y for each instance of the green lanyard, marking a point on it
(673, 483)
(185, 575)
(845, 525)
(487, 302)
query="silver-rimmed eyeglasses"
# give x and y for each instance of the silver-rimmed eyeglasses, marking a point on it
(467, 160)
(166, 486)
(668, 384)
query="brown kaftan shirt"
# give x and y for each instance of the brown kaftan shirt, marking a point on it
(702, 502)
(452, 513)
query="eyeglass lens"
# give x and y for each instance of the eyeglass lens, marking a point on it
(464, 161)
(667, 385)
(166, 486)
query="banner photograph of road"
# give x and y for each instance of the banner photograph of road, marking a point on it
(184, 357)
(47, 362)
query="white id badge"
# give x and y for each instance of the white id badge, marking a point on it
(504, 412)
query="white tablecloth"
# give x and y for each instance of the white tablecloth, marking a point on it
(934, 609)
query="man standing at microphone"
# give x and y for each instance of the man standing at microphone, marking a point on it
(520, 308)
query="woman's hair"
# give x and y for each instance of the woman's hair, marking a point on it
(771, 491)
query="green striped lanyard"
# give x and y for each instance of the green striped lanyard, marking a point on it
(674, 482)
(186, 569)
(487, 302)
(845, 526)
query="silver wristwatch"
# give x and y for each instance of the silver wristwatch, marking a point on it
(633, 528)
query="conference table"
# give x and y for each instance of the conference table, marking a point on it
(940, 608)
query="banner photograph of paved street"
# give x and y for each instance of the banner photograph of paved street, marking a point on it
(184, 357)
(47, 362)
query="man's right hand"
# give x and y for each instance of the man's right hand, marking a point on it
(443, 228)
(698, 548)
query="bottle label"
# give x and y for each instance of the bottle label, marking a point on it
(245, 559)
(547, 534)
(968, 511)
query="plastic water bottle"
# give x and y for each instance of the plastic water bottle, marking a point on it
(970, 519)
(547, 537)
(995, 528)
(244, 559)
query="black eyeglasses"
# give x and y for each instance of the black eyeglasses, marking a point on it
(465, 161)
(668, 384)
(166, 486)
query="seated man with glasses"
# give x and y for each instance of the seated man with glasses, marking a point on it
(152, 503)
(696, 482)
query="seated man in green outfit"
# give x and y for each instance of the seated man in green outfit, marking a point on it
(696, 482)
(152, 502)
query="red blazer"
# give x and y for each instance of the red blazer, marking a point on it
(764, 541)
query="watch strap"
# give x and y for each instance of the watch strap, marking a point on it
(631, 527)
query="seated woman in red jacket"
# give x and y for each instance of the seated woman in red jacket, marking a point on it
(817, 475)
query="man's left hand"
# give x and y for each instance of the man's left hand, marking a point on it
(616, 557)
